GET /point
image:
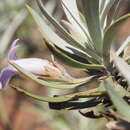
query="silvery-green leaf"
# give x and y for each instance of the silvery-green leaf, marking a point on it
(123, 67)
(50, 35)
(72, 13)
(56, 85)
(75, 32)
(76, 52)
(102, 3)
(89, 93)
(59, 28)
(91, 11)
(105, 6)
(72, 6)
(117, 10)
(122, 107)
(41, 98)
(121, 91)
(50, 6)
(94, 59)
(109, 38)
(82, 17)
(123, 46)
(71, 61)
(68, 97)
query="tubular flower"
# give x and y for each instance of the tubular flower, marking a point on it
(37, 66)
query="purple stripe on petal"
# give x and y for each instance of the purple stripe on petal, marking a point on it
(5, 76)
(12, 51)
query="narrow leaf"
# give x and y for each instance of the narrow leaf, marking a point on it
(91, 11)
(72, 6)
(72, 62)
(123, 67)
(72, 13)
(109, 38)
(55, 85)
(64, 33)
(123, 46)
(67, 97)
(105, 5)
(50, 35)
(117, 10)
(122, 107)
(44, 99)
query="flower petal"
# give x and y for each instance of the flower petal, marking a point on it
(39, 66)
(5, 76)
(33, 65)
(12, 51)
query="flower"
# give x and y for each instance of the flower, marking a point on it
(37, 66)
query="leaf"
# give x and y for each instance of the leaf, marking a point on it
(123, 67)
(93, 58)
(72, 13)
(122, 107)
(75, 52)
(82, 17)
(75, 32)
(109, 37)
(44, 99)
(117, 10)
(72, 62)
(73, 10)
(123, 46)
(64, 33)
(48, 33)
(102, 3)
(91, 11)
(68, 97)
(51, 36)
(48, 84)
(121, 91)
(105, 6)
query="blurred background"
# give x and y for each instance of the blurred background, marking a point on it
(18, 112)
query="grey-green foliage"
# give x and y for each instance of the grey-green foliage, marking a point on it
(87, 46)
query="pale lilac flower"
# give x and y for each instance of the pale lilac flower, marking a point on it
(34, 65)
